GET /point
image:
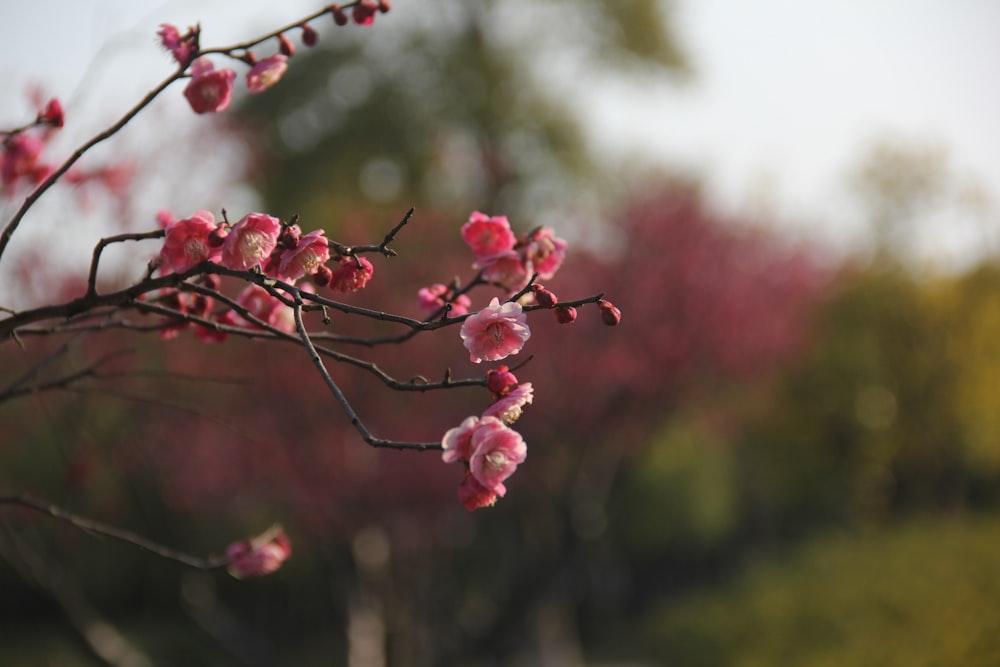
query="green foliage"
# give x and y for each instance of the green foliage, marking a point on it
(918, 595)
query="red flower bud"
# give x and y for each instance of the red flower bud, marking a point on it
(500, 381)
(218, 236)
(322, 276)
(545, 298)
(52, 114)
(609, 314)
(339, 17)
(309, 36)
(384, 6)
(285, 45)
(565, 314)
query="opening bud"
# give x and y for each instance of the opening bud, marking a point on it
(500, 381)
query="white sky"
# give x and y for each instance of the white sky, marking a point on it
(786, 99)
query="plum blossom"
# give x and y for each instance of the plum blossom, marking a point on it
(311, 251)
(19, 160)
(181, 47)
(260, 555)
(187, 242)
(507, 269)
(267, 308)
(352, 275)
(267, 72)
(491, 451)
(508, 408)
(486, 236)
(495, 332)
(545, 252)
(500, 381)
(210, 90)
(251, 241)
(434, 297)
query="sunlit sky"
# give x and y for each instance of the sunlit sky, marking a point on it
(786, 97)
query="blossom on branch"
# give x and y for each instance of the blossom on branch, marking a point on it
(187, 242)
(486, 236)
(545, 252)
(434, 297)
(267, 72)
(495, 332)
(181, 47)
(353, 274)
(508, 408)
(310, 252)
(491, 451)
(260, 555)
(210, 90)
(251, 241)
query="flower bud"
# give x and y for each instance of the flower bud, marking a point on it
(565, 314)
(309, 36)
(384, 6)
(323, 275)
(364, 12)
(544, 297)
(290, 236)
(500, 381)
(285, 46)
(609, 314)
(339, 17)
(218, 235)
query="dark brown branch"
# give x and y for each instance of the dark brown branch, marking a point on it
(341, 398)
(120, 534)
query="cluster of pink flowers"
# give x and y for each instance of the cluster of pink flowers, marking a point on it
(257, 240)
(509, 261)
(210, 90)
(486, 445)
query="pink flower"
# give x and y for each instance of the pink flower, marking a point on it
(52, 114)
(508, 408)
(310, 252)
(267, 308)
(545, 252)
(209, 90)
(507, 269)
(260, 555)
(433, 298)
(267, 72)
(488, 236)
(251, 241)
(352, 275)
(186, 244)
(491, 451)
(171, 40)
(495, 332)
(474, 495)
(19, 159)
(457, 442)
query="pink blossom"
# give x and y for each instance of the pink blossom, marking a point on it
(497, 449)
(457, 442)
(433, 298)
(508, 408)
(486, 236)
(251, 241)
(267, 72)
(500, 381)
(310, 252)
(495, 332)
(181, 47)
(186, 244)
(507, 269)
(209, 90)
(52, 114)
(164, 218)
(352, 275)
(545, 252)
(474, 495)
(19, 159)
(260, 555)
(267, 308)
